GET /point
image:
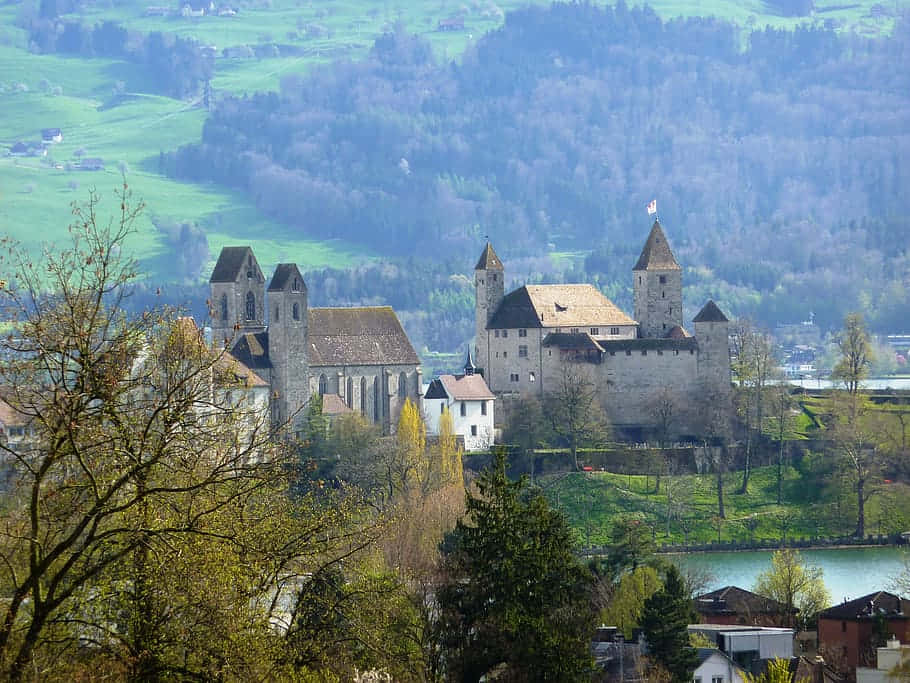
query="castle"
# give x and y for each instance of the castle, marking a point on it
(359, 359)
(530, 340)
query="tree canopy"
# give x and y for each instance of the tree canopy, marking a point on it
(514, 595)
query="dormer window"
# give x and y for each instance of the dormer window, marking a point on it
(560, 308)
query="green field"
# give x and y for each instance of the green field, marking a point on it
(593, 500)
(128, 133)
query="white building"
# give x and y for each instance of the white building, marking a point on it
(470, 402)
(888, 660)
(715, 667)
(748, 645)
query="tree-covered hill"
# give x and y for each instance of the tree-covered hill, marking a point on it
(778, 169)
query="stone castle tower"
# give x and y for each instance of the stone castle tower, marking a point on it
(287, 340)
(712, 332)
(489, 287)
(657, 287)
(238, 295)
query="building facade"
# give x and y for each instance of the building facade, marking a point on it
(360, 354)
(530, 340)
(470, 403)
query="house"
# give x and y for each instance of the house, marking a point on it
(16, 430)
(888, 658)
(716, 667)
(20, 149)
(470, 403)
(732, 605)
(852, 630)
(91, 164)
(748, 646)
(51, 135)
(359, 354)
(805, 670)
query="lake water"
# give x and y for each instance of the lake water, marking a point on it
(849, 573)
(870, 384)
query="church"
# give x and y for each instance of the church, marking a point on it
(359, 359)
(529, 341)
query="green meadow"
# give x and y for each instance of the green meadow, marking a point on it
(594, 500)
(76, 95)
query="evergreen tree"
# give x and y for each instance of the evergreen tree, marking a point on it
(664, 619)
(515, 597)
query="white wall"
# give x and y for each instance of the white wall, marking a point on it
(473, 417)
(718, 666)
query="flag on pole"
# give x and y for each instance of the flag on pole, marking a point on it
(652, 207)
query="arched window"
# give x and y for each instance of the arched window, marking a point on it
(295, 311)
(250, 272)
(224, 307)
(402, 386)
(250, 306)
(323, 385)
(349, 394)
(296, 286)
(377, 401)
(363, 396)
(276, 314)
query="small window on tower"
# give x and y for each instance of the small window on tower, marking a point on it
(505, 333)
(296, 311)
(494, 277)
(496, 333)
(276, 314)
(663, 279)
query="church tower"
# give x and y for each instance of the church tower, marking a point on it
(489, 285)
(237, 295)
(288, 318)
(657, 287)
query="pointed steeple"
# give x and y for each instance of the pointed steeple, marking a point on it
(656, 254)
(469, 366)
(710, 313)
(488, 259)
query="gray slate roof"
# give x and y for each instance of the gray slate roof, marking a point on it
(358, 336)
(557, 306)
(285, 273)
(488, 259)
(710, 313)
(656, 254)
(230, 264)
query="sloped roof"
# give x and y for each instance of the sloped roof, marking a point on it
(332, 404)
(284, 273)
(436, 390)
(710, 313)
(358, 336)
(557, 306)
(488, 259)
(229, 264)
(466, 387)
(10, 416)
(578, 342)
(656, 254)
(231, 370)
(677, 332)
(735, 600)
(869, 606)
(684, 344)
(252, 349)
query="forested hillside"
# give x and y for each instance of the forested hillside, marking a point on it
(778, 168)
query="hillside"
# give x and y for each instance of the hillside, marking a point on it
(549, 134)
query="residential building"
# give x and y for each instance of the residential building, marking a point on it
(716, 667)
(470, 403)
(732, 605)
(853, 630)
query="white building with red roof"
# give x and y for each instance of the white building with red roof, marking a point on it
(470, 402)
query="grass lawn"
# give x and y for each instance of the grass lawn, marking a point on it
(593, 500)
